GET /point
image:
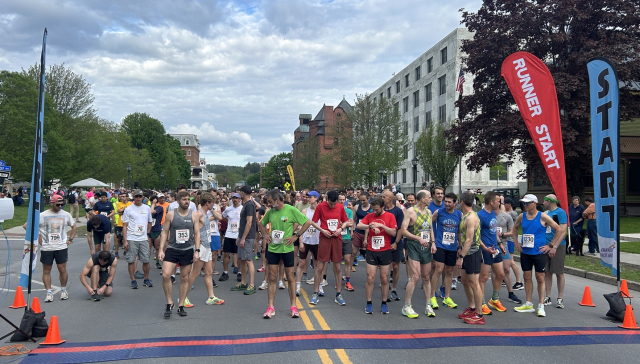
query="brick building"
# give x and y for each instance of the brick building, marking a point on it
(191, 147)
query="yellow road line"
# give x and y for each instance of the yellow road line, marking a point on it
(322, 353)
(307, 322)
(324, 356)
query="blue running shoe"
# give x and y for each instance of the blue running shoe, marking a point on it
(355, 263)
(368, 309)
(314, 299)
(384, 309)
(134, 284)
(442, 291)
(340, 300)
(235, 270)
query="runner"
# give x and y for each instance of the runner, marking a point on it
(347, 248)
(505, 231)
(491, 252)
(104, 206)
(120, 207)
(310, 239)
(382, 229)
(98, 228)
(101, 269)
(436, 204)
(230, 247)
(358, 236)
(555, 262)
(72, 198)
(508, 207)
(157, 215)
(181, 233)
(534, 247)
(447, 222)
(246, 239)
(397, 246)
(215, 216)
(416, 228)
(136, 224)
(280, 245)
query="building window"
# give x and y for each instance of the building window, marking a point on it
(406, 80)
(335, 141)
(188, 152)
(404, 175)
(416, 99)
(405, 129)
(442, 114)
(406, 104)
(427, 117)
(395, 177)
(416, 124)
(375, 101)
(397, 87)
(427, 90)
(381, 96)
(186, 142)
(396, 108)
(415, 148)
(633, 175)
(499, 172)
(442, 85)
(443, 55)
(389, 92)
(417, 73)
(429, 65)
(405, 152)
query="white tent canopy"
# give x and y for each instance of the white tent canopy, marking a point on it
(89, 182)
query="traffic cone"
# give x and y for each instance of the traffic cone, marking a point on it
(586, 298)
(35, 305)
(53, 335)
(624, 289)
(18, 302)
(629, 319)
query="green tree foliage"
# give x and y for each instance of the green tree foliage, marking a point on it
(434, 157)
(305, 163)
(338, 163)
(235, 174)
(274, 173)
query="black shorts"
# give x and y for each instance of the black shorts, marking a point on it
(471, 263)
(60, 256)
(448, 257)
(98, 238)
(489, 259)
(181, 257)
(118, 230)
(229, 246)
(379, 258)
(285, 258)
(104, 275)
(297, 243)
(398, 254)
(313, 249)
(528, 261)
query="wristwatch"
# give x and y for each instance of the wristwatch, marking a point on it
(460, 256)
(198, 250)
(296, 234)
(551, 245)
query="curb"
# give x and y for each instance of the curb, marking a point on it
(593, 276)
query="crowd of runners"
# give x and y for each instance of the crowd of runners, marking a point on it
(445, 242)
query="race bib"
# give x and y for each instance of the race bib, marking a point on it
(104, 214)
(377, 242)
(499, 230)
(139, 229)
(311, 231)
(182, 236)
(344, 232)
(277, 236)
(549, 230)
(233, 227)
(153, 222)
(448, 238)
(527, 240)
(496, 253)
(332, 224)
(55, 238)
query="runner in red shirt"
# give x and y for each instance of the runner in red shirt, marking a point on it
(382, 227)
(333, 219)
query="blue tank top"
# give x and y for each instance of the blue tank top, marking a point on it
(533, 233)
(488, 228)
(360, 214)
(447, 226)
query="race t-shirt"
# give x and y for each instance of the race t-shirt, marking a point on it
(381, 241)
(103, 228)
(282, 226)
(346, 233)
(248, 209)
(121, 206)
(433, 207)
(165, 207)
(360, 214)
(330, 218)
(52, 229)
(103, 208)
(156, 219)
(232, 214)
(446, 231)
(137, 218)
(562, 219)
(505, 223)
(488, 228)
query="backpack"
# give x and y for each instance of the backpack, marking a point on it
(71, 197)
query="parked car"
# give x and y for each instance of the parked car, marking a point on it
(513, 193)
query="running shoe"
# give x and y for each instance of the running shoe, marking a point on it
(138, 275)
(314, 299)
(261, 269)
(394, 296)
(454, 285)
(255, 257)
(434, 303)
(187, 304)
(224, 277)
(310, 280)
(391, 278)
(348, 286)
(449, 303)
(474, 320)
(213, 281)
(235, 270)
(547, 301)
(324, 283)
(353, 269)
(215, 272)
(468, 312)
(408, 311)
(298, 292)
(214, 301)
(514, 298)
(340, 301)
(311, 264)
(559, 303)
(361, 258)
(497, 305)
(158, 265)
(64, 295)
(527, 307)
(239, 287)
(294, 312)
(342, 262)
(486, 310)
(95, 297)
(304, 277)
(173, 279)
(239, 277)
(321, 292)
(178, 269)
(429, 311)
(263, 286)
(518, 286)
(541, 312)
(384, 309)
(368, 309)
(167, 311)
(442, 291)
(355, 263)
(250, 290)
(504, 284)
(134, 284)
(344, 278)
(117, 255)
(281, 285)
(147, 283)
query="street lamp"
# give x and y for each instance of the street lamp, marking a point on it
(162, 176)
(326, 184)
(129, 176)
(414, 162)
(381, 171)
(45, 149)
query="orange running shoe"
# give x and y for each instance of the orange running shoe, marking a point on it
(486, 310)
(497, 305)
(348, 286)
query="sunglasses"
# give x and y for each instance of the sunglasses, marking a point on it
(59, 204)
(138, 196)
(526, 203)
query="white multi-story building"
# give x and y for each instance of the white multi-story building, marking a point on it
(425, 92)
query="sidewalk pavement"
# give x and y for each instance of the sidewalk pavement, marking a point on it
(629, 237)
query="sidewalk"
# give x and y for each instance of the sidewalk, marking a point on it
(629, 237)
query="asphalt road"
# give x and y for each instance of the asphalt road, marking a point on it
(134, 314)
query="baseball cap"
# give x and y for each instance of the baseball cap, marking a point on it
(529, 198)
(160, 195)
(138, 193)
(314, 194)
(235, 194)
(56, 198)
(400, 195)
(245, 189)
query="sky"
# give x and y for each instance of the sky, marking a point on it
(236, 73)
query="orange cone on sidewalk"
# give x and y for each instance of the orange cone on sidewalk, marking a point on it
(629, 319)
(53, 335)
(18, 301)
(586, 298)
(624, 289)
(35, 305)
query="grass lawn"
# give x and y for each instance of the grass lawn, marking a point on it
(628, 225)
(630, 247)
(20, 216)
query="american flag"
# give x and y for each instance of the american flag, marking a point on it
(460, 81)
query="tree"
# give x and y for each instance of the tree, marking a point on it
(433, 156)
(70, 92)
(565, 35)
(274, 173)
(305, 163)
(338, 162)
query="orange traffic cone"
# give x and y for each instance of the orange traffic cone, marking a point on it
(18, 302)
(624, 289)
(53, 335)
(629, 319)
(586, 298)
(35, 305)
